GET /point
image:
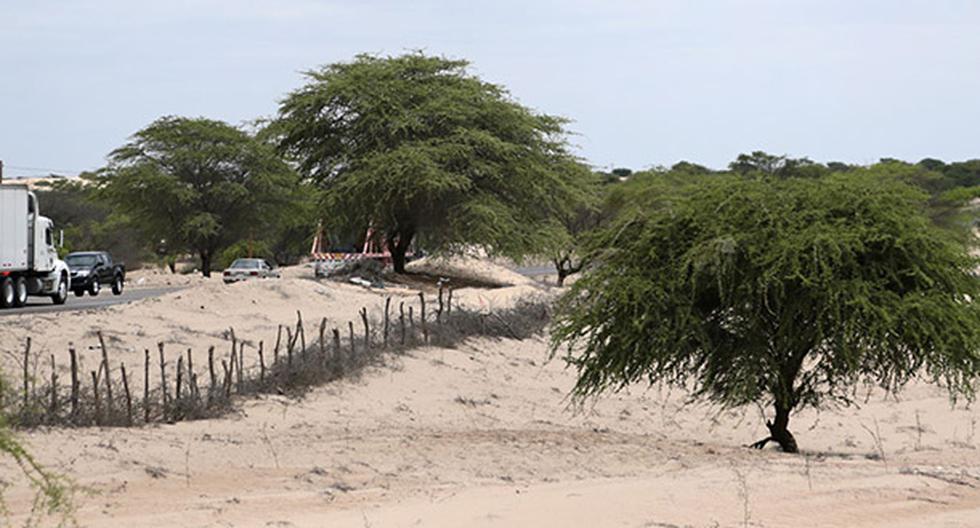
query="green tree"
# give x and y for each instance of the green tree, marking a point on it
(200, 185)
(760, 162)
(785, 293)
(416, 147)
(89, 223)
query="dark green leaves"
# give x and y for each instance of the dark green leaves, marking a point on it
(791, 290)
(416, 145)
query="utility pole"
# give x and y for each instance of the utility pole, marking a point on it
(1, 171)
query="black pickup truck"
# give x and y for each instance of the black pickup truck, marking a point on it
(91, 269)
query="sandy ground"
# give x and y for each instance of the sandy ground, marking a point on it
(483, 435)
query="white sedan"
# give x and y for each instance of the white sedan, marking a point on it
(249, 268)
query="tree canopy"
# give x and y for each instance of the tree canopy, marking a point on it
(200, 185)
(415, 146)
(784, 292)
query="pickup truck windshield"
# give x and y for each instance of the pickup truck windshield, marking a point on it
(80, 261)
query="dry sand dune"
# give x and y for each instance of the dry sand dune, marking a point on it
(483, 435)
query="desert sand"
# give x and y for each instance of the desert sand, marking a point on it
(480, 435)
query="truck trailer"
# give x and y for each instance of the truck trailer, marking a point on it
(29, 263)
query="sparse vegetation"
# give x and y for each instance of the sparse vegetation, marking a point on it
(783, 291)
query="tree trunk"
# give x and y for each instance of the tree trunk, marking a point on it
(779, 432)
(206, 263)
(398, 248)
(562, 274)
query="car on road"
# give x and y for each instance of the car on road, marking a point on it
(249, 268)
(90, 270)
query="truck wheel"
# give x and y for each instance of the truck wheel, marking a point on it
(61, 294)
(117, 285)
(20, 292)
(6, 292)
(94, 288)
(78, 292)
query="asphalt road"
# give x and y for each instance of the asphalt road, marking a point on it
(105, 298)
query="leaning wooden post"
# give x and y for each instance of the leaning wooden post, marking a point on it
(27, 376)
(98, 405)
(301, 334)
(129, 398)
(290, 340)
(367, 330)
(387, 306)
(109, 403)
(425, 328)
(163, 381)
(74, 380)
(401, 320)
(275, 351)
(146, 385)
(411, 321)
(54, 389)
(449, 303)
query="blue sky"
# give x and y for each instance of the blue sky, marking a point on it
(645, 83)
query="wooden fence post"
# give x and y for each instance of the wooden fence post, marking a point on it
(98, 405)
(27, 377)
(146, 385)
(336, 349)
(439, 311)
(180, 375)
(261, 366)
(323, 344)
(401, 320)
(241, 367)
(109, 403)
(54, 389)
(353, 350)
(275, 351)
(214, 377)
(301, 334)
(425, 328)
(163, 382)
(387, 306)
(129, 398)
(367, 330)
(74, 380)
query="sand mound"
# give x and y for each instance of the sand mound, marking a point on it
(470, 269)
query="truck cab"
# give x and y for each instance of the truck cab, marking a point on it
(29, 263)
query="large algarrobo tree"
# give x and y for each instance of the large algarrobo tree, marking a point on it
(415, 147)
(200, 184)
(788, 293)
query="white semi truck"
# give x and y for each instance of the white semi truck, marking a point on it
(29, 263)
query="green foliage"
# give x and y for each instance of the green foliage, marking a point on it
(762, 163)
(198, 185)
(89, 223)
(416, 146)
(782, 291)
